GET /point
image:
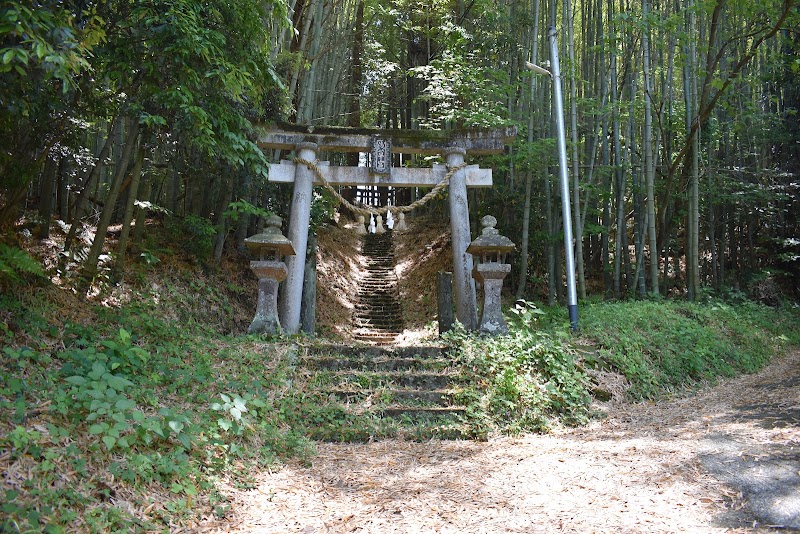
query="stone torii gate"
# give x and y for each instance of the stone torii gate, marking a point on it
(307, 143)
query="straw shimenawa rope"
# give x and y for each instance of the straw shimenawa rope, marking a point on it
(381, 211)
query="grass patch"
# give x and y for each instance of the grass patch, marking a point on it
(665, 346)
(538, 376)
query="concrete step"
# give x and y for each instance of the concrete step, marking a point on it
(404, 392)
(423, 412)
(396, 398)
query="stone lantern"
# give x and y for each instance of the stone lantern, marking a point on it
(269, 246)
(490, 250)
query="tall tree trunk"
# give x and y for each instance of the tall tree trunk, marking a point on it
(48, 181)
(133, 191)
(92, 178)
(226, 195)
(131, 131)
(648, 151)
(693, 230)
(141, 210)
(619, 176)
(526, 210)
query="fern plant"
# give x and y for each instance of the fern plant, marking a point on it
(15, 264)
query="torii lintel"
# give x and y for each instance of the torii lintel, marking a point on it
(396, 177)
(476, 141)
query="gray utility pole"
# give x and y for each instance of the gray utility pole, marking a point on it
(555, 75)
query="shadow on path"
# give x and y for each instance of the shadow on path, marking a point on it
(767, 474)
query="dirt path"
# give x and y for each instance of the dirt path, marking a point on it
(725, 459)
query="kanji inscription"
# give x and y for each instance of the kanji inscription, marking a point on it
(381, 155)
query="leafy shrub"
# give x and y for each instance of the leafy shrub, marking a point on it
(194, 234)
(524, 381)
(242, 207)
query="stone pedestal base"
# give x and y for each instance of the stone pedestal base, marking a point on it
(491, 275)
(270, 274)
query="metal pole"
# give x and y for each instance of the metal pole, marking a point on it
(572, 298)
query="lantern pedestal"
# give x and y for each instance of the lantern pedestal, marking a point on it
(270, 274)
(491, 276)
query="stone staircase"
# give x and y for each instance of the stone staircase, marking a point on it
(378, 392)
(377, 317)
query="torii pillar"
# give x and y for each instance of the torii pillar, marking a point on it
(299, 219)
(463, 283)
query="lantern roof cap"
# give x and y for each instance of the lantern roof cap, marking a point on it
(270, 239)
(490, 239)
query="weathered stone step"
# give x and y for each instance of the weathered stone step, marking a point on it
(376, 337)
(387, 326)
(380, 364)
(377, 313)
(444, 431)
(413, 398)
(423, 412)
(371, 320)
(404, 392)
(382, 295)
(377, 316)
(404, 380)
(378, 319)
(376, 310)
(426, 352)
(376, 333)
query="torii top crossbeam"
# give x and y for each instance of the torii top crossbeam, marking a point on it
(340, 139)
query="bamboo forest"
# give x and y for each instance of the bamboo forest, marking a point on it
(681, 126)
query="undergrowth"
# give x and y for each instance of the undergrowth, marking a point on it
(104, 421)
(521, 382)
(666, 346)
(538, 376)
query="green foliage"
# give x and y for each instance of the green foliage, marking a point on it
(524, 381)
(242, 207)
(46, 40)
(323, 208)
(15, 264)
(461, 91)
(136, 406)
(664, 346)
(196, 235)
(174, 66)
